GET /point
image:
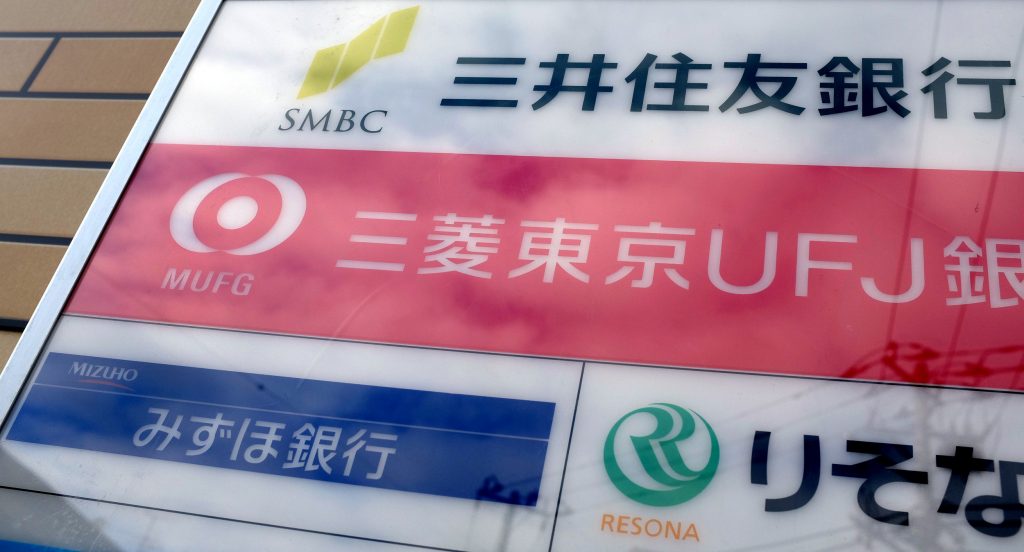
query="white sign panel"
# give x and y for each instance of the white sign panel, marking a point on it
(544, 276)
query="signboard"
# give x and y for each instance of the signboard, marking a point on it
(559, 276)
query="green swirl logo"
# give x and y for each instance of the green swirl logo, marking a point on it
(672, 480)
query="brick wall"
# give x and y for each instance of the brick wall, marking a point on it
(73, 77)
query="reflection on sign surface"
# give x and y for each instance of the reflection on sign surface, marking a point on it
(396, 275)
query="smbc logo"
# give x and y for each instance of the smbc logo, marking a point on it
(650, 467)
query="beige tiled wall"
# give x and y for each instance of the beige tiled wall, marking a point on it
(28, 268)
(104, 65)
(95, 15)
(73, 76)
(20, 56)
(45, 201)
(87, 130)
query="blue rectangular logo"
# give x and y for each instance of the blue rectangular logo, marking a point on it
(445, 444)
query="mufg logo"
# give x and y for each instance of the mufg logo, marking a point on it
(661, 454)
(237, 214)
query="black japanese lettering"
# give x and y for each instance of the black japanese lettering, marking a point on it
(996, 88)
(960, 467)
(937, 88)
(750, 81)
(873, 70)
(557, 84)
(490, 80)
(838, 90)
(1008, 502)
(808, 480)
(682, 67)
(877, 472)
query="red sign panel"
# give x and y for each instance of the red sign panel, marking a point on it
(886, 274)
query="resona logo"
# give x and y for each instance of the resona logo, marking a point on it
(238, 214)
(649, 466)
